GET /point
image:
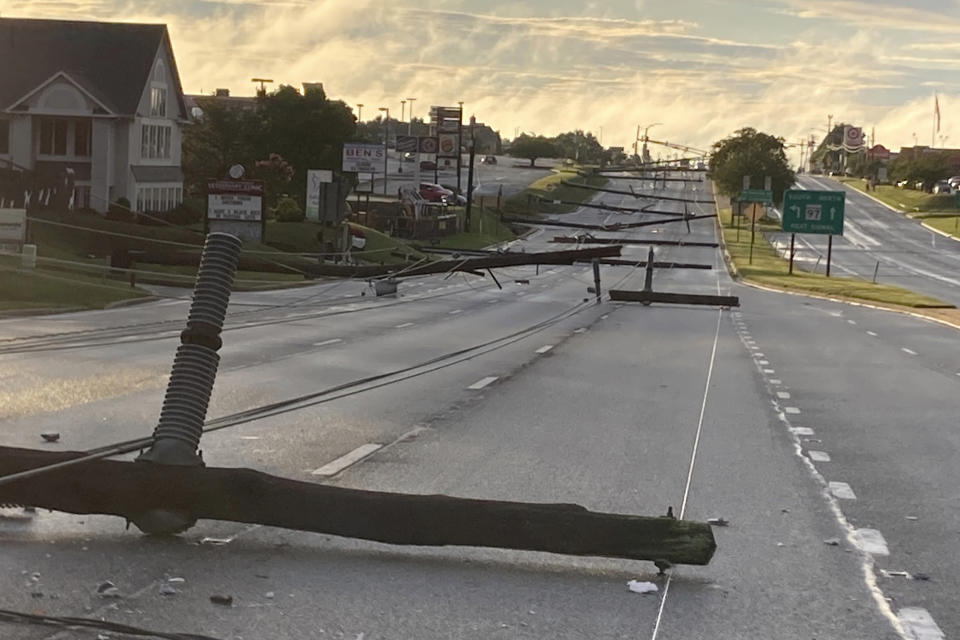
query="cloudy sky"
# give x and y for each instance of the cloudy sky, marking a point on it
(701, 68)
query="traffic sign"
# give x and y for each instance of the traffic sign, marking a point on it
(813, 212)
(757, 195)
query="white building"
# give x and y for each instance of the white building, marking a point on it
(102, 99)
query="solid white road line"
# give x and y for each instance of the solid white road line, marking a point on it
(483, 382)
(792, 411)
(842, 490)
(545, 348)
(919, 624)
(783, 395)
(819, 456)
(326, 342)
(872, 542)
(910, 351)
(405, 325)
(341, 463)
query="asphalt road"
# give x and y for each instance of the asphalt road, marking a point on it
(624, 408)
(877, 239)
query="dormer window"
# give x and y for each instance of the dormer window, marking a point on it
(158, 101)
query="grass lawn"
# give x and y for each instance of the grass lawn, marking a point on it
(770, 269)
(906, 200)
(485, 230)
(549, 188)
(947, 223)
(44, 289)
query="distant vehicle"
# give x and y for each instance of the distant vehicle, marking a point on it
(432, 192)
(489, 160)
(428, 164)
(902, 184)
(942, 187)
(409, 156)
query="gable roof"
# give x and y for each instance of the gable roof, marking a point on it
(112, 60)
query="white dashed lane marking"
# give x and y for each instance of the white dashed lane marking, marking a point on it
(801, 431)
(871, 541)
(769, 371)
(851, 322)
(456, 311)
(842, 490)
(405, 325)
(792, 411)
(872, 333)
(545, 348)
(776, 381)
(762, 362)
(344, 461)
(819, 456)
(919, 624)
(783, 395)
(910, 351)
(483, 382)
(326, 342)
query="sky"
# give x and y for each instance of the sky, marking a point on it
(700, 69)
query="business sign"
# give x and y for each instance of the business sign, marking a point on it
(13, 226)
(448, 126)
(449, 145)
(363, 158)
(236, 206)
(316, 178)
(757, 195)
(429, 144)
(813, 212)
(407, 143)
(853, 137)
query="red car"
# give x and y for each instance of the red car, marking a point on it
(434, 192)
(428, 165)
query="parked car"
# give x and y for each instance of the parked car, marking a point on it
(942, 187)
(902, 184)
(432, 192)
(489, 159)
(428, 165)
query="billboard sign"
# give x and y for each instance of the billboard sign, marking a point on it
(363, 158)
(407, 143)
(853, 137)
(449, 145)
(429, 144)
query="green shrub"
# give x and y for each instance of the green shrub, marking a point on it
(121, 211)
(287, 210)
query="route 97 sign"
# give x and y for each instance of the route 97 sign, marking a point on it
(813, 212)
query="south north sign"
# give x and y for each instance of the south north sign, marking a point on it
(813, 212)
(756, 195)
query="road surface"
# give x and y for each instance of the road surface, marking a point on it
(618, 407)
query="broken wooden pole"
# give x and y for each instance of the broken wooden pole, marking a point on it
(633, 193)
(589, 239)
(621, 262)
(616, 226)
(131, 489)
(646, 297)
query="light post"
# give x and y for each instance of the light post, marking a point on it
(636, 145)
(403, 107)
(386, 135)
(359, 111)
(410, 121)
(914, 138)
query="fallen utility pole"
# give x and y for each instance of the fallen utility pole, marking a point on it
(479, 263)
(588, 239)
(616, 226)
(131, 489)
(652, 179)
(634, 193)
(620, 262)
(610, 207)
(648, 295)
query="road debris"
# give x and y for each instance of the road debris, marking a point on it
(107, 589)
(833, 542)
(50, 436)
(718, 522)
(638, 586)
(167, 590)
(226, 601)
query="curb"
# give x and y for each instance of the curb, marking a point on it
(130, 302)
(40, 311)
(942, 233)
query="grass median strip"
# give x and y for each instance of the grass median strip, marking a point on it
(769, 269)
(909, 201)
(549, 188)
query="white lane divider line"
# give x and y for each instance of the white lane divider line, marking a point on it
(405, 325)
(842, 490)
(776, 381)
(851, 322)
(801, 431)
(483, 382)
(605, 316)
(783, 395)
(763, 362)
(494, 301)
(919, 624)
(769, 371)
(545, 348)
(326, 342)
(819, 456)
(758, 355)
(344, 461)
(793, 411)
(872, 542)
(909, 351)
(580, 330)
(455, 312)
(872, 333)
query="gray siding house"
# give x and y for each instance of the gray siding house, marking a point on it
(102, 99)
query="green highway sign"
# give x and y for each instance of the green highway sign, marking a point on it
(813, 212)
(756, 195)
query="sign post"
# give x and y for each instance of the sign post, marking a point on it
(757, 197)
(819, 212)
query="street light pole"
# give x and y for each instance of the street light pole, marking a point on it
(410, 121)
(403, 109)
(359, 112)
(386, 135)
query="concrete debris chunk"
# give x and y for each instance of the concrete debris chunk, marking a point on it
(226, 601)
(167, 590)
(718, 522)
(833, 542)
(921, 576)
(50, 436)
(107, 589)
(638, 586)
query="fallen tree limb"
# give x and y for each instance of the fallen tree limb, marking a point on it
(674, 298)
(588, 239)
(479, 263)
(132, 489)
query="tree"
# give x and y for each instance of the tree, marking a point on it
(580, 146)
(533, 147)
(928, 167)
(750, 153)
(219, 138)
